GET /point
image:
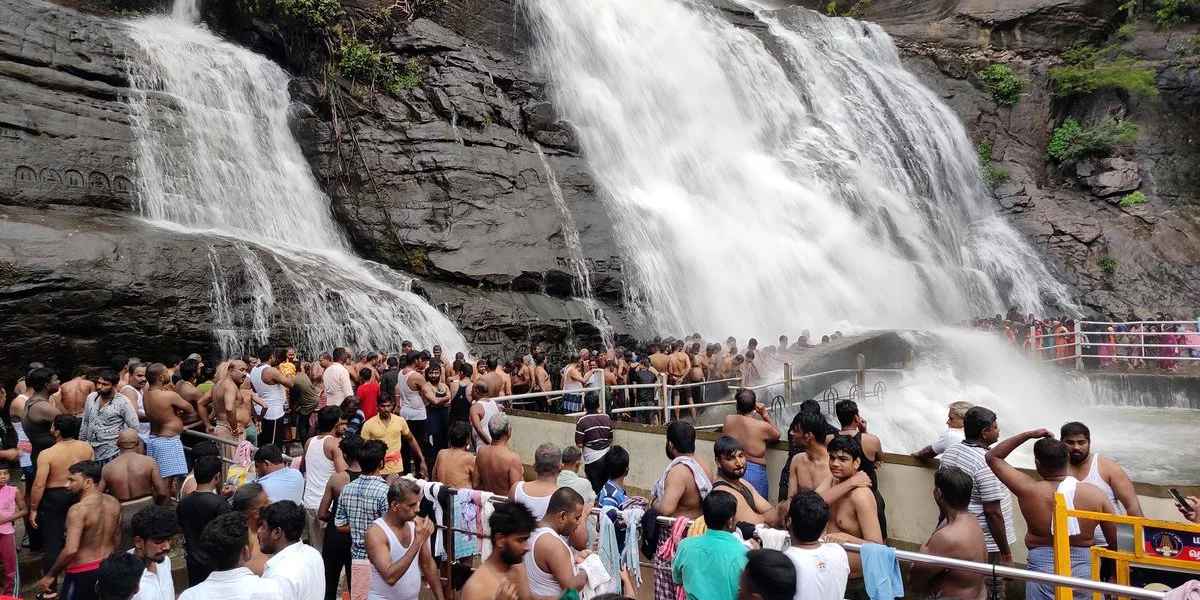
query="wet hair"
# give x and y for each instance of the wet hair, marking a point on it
(846, 411)
(364, 374)
(547, 458)
(287, 516)
(67, 426)
(771, 573)
(39, 378)
(1051, 454)
(955, 486)
(571, 455)
(810, 422)
(224, 538)
(90, 469)
(808, 514)
(511, 518)
(339, 354)
(591, 402)
(392, 362)
(959, 409)
(466, 370)
(402, 489)
(458, 433)
(746, 401)
(499, 426)
(154, 523)
(616, 462)
(370, 456)
(564, 499)
(189, 369)
(155, 372)
(350, 446)
(1075, 428)
(108, 375)
(206, 469)
(976, 420)
(847, 444)
(719, 508)
(245, 494)
(810, 405)
(492, 363)
(205, 448)
(269, 454)
(119, 576)
(682, 435)
(328, 417)
(726, 447)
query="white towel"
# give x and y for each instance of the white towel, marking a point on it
(488, 509)
(1067, 489)
(598, 578)
(774, 539)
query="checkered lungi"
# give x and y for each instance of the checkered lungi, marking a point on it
(168, 451)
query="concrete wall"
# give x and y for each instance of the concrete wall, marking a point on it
(906, 485)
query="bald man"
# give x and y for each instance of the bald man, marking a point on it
(133, 479)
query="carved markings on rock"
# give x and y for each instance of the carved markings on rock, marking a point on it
(26, 176)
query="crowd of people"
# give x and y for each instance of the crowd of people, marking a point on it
(1134, 343)
(313, 479)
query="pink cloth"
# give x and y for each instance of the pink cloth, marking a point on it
(8, 507)
(1187, 591)
(666, 550)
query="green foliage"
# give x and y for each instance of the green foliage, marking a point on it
(1004, 85)
(1072, 141)
(1089, 69)
(1124, 32)
(1167, 12)
(992, 175)
(129, 13)
(1132, 199)
(855, 11)
(1190, 46)
(1128, 6)
(410, 76)
(358, 60)
(831, 8)
(1107, 264)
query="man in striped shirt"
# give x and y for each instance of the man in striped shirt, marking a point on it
(593, 435)
(991, 502)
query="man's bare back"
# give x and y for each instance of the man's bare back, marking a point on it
(59, 459)
(98, 518)
(73, 394)
(131, 476)
(455, 467)
(499, 469)
(753, 434)
(681, 481)
(962, 539)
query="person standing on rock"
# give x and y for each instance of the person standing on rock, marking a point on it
(163, 408)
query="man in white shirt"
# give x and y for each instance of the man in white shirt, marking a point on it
(227, 540)
(277, 479)
(821, 569)
(337, 378)
(953, 435)
(297, 567)
(153, 528)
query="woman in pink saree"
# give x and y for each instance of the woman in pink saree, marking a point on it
(1168, 348)
(1108, 347)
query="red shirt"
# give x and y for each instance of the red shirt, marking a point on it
(369, 394)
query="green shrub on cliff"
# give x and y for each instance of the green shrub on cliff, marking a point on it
(1089, 69)
(992, 175)
(1167, 12)
(1132, 199)
(1072, 141)
(1107, 264)
(1004, 85)
(315, 12)
(359, 61)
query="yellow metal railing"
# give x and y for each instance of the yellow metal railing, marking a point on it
(1169, 530)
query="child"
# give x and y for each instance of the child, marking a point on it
(12, 507)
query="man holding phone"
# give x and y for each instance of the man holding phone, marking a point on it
(1189, 507)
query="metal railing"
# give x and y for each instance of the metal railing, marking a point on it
(1133, 347)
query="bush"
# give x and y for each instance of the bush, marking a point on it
(1166, 12)
(313, 12)
(1072, 141)
(1004, 85)
(1124, 32)
(359, 61)
(992, 176)
(1133, 199)
(1089, 69)
(1107, 264)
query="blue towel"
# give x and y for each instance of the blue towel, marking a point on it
(881, 572)
(756, 475)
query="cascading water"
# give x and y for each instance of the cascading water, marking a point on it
(759, 189)
(215, 155)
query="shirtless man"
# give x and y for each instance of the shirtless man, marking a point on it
(455, 466)
(853, 517)
(73, 393)
(51, 497)
(957, 536)
(132, 479)
(854, 425)
(752, 507)
(1036, 499)
(754, 435)
(164, 409)
(502, 576)
(810, 468)
(699, 370)
(499, 383)
(541, 382)
(499, 468)
(682, 487)
(678, 367)
(658, 359)
(226, 400)
(93, 530)
(521, 375)
(132, 387)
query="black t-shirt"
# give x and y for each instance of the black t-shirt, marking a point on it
(644, 376)
(195, 511)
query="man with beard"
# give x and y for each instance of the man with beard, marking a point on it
(499, 577)
(854, 517)
(93, 531)
(1104, 474)
(398, 547)
(322, 458)
(133, 386)
(550, 563)
(393, 431)
(153, 528)
(752, 508)
(436, 395)
(105, 414)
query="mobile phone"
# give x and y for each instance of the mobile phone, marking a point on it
(1179, 498)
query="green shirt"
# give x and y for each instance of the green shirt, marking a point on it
(709, 566)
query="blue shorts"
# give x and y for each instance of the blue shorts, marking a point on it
(756, 475)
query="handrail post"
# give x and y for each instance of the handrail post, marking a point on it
(787, 383)
(1062, 546)
(1034, 343)
(860, 377)
(603, 396)
(665, 395)
(1079, 346)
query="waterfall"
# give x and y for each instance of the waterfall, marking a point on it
(794, 177)
(216, 156)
